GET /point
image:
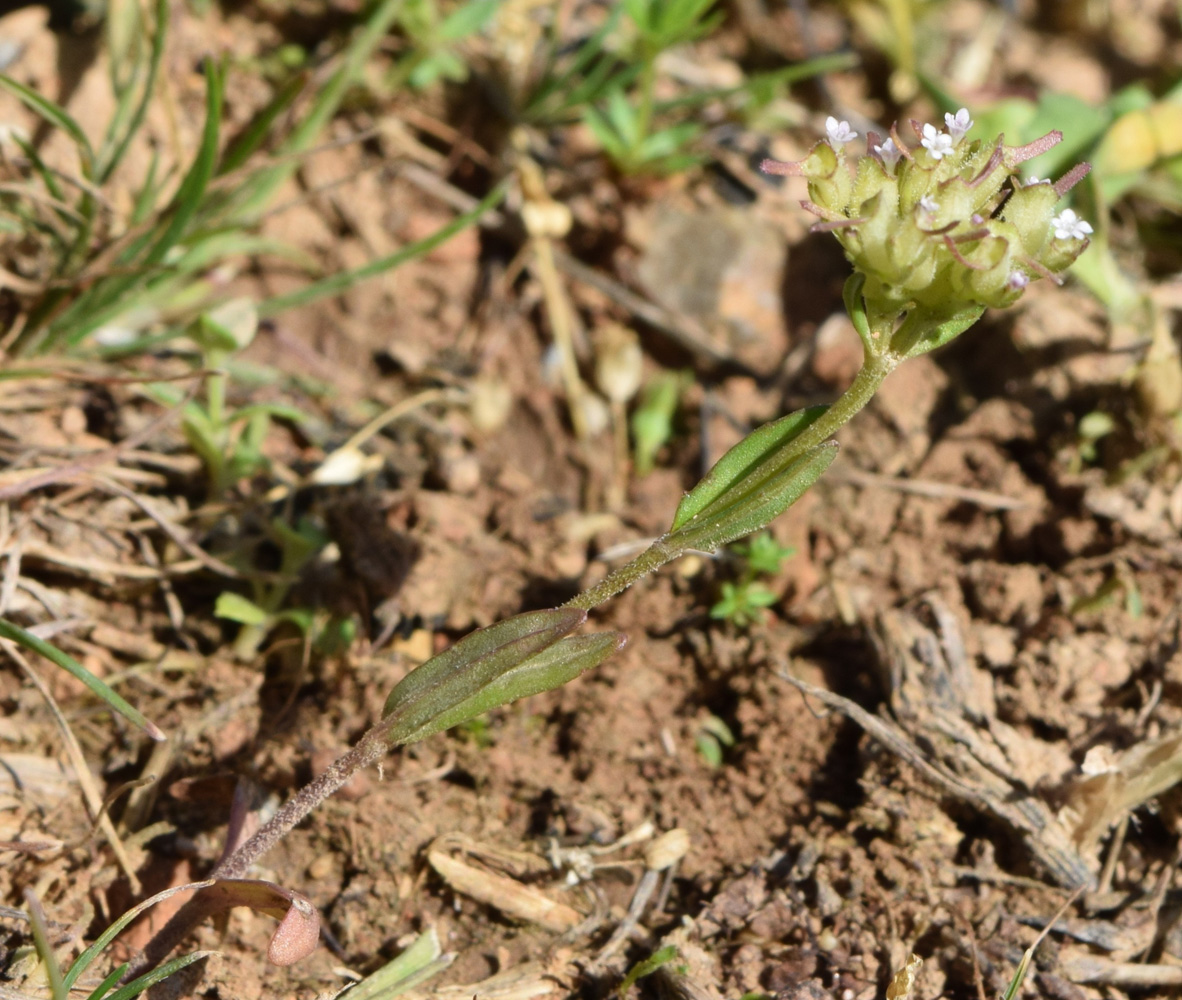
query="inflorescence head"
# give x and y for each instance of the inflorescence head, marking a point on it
(945, 223)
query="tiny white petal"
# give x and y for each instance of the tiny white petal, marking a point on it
(976, 218)
(1017, 281)
(936, 143)
(889, 152)
(1034, 181)
(958, 124)
(839, 132)
(929, 204)
(1069, 226)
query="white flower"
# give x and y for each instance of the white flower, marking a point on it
(936, 143)
(839, 132)
(1017, 281)
(958, 124)
(929, 204)
(1069, 226)
(889, 152)
(1034, 181)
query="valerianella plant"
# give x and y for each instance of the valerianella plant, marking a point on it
(936, 234)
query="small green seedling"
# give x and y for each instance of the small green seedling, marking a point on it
(713, 739)
(652, 420)
(264, 610)
(1093, 428)
(743, 599)
(1121, 582)
(436, 39)
(646, 967)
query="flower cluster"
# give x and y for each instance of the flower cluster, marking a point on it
(944, 225)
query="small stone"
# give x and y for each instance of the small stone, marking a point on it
(837, 351)
(73, 421)
(321, 867)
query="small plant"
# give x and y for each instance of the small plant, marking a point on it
(652, 420)
(743, 599)
(713, 740)
(610, 82)
(935, 234)
(435, 36)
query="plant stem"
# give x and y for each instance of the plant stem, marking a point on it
(619, 580)
(875, 368)
(369, 750)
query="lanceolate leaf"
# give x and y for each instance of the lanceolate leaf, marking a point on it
(921, 332)
(544, 671)
(749, 508)
(462, 672)
(757, 458)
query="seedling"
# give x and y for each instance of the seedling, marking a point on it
(743, 599)
(652, 420)
(436, 38)
(713, 740)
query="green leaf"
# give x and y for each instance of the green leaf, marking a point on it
(921, 332)
(765, 554)
(460, 673)
(68, 663)
(257, 191)
(418, 963)
(751, 457)
(103, 942)
(189, 194)
(148, 979)
(544, 671)
(251, 137)
(53, 969)
(647, 967)
(239, 609)
(113, 150)
(109, 983)
(603, 131)
(467, 19)
(55, 115)
(347, 279)
(652, 420)
(851, 294)
(754, 502)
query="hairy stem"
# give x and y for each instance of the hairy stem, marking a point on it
(665, 549)
(370, 750)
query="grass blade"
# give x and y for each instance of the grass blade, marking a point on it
(241, 149)
(84, 961)
(113, 152)
(188, 196)
(137, 986)
(257, 192)
(56, 115)
(109, 983)
(337, 283)
(423, 959)
(24, 638)
(53, 971)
